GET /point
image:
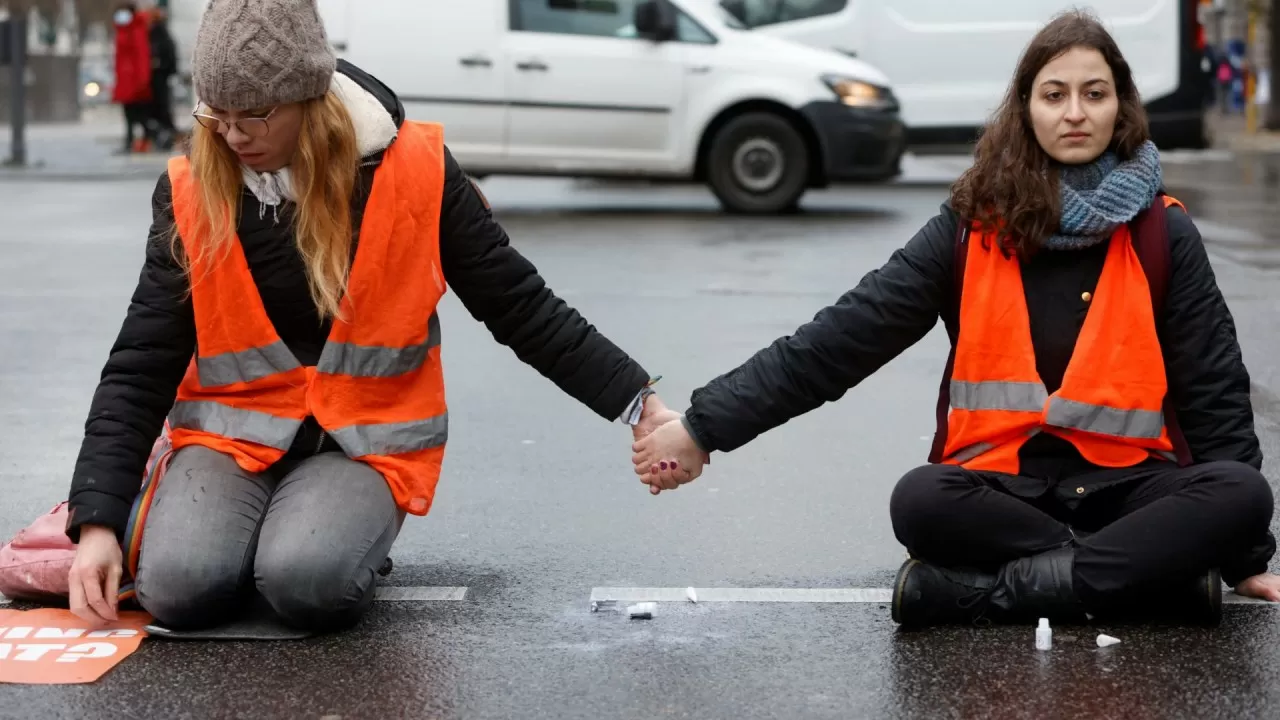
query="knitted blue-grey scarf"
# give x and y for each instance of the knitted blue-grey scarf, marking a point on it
(1100, 196)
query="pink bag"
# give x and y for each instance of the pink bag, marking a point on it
(36, 563)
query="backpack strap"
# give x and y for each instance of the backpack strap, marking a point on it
(1150, 234)
(952, 321)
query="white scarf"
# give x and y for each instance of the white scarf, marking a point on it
(375, 130)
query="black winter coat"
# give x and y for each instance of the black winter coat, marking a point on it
(895, 306)
(497, 285)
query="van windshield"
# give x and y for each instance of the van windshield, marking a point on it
(723, 10)
(729, 19)
(758, 13)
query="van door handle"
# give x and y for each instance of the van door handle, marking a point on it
(532, 65)
(475, 61)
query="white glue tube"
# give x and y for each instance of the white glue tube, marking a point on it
(642, 611)
(1044, 635)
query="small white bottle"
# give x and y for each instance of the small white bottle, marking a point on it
(1044, 636)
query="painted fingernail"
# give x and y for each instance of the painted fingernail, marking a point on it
(663, 465)
(675, 464)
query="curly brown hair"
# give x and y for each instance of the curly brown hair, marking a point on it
(1011, 187)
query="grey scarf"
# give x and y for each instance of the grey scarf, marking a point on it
(1100, 196)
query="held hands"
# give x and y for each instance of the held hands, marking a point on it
(667, 457)
(653, 415)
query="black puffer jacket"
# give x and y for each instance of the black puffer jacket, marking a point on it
(495, 283)
(895, 306)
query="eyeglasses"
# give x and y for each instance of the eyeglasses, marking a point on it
(253, 127)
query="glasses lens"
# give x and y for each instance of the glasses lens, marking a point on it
(254, 127)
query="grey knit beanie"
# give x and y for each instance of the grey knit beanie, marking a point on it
(259, 53)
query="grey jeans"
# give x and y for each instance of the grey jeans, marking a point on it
(309, 543)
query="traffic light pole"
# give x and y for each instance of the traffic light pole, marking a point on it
(18, 87)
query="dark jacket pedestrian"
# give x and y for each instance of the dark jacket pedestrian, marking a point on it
(164, 66)
(1096, 449)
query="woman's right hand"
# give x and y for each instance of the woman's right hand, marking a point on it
(95, 575)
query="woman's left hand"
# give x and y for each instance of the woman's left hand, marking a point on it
(1265, 587)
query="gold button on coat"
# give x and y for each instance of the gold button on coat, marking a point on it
(1086, 296)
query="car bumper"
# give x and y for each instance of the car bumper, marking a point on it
(857, 144)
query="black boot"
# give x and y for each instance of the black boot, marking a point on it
(1037, 586)
(1195, 602)
(1022, 591)
(1206, 600)
(926, 595)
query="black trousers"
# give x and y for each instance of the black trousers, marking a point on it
(1136, 529)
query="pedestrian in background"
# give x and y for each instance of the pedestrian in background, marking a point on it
(1096, 452)
(164, 65)
(132, 89)
(285, 323)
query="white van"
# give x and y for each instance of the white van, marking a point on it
(951, 61)
(661, 89)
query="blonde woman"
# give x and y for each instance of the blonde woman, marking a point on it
(285, 325)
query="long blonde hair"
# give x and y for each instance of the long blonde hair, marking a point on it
(323, 173)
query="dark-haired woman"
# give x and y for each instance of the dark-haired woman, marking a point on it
(1096, 454)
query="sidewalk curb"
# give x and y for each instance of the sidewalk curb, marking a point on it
(39, 174)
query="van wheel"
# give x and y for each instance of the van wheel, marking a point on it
(758, 163)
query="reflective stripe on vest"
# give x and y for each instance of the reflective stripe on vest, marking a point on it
(1110, 403)
(249, 425)
(393, 438)
(1031, 397)
(998, 395)
(1103, 420)
(365, 361)
(246, 366)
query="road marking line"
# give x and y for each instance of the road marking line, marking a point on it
(1231, 598)
(797, 595)
(794, 595)
(420, 594)
(393, 594)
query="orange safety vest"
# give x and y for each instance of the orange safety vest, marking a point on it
(378, 387)
(1110, 404)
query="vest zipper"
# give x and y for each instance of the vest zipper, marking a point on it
(320, 443)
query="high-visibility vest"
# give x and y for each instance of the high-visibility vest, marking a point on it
(378, 388)
(1110, 404)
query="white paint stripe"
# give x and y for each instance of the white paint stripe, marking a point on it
(795, 595)
(1231, 598)
(420, 594)
(395, 594)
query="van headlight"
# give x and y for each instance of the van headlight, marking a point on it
(860, 94)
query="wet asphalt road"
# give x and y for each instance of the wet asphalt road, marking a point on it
(538, 504)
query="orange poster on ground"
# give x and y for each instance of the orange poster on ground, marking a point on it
(51, 646)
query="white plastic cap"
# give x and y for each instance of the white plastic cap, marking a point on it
(1044, 623)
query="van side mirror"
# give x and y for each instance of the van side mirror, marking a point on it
(655, 20)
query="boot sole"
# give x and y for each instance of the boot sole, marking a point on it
(1213, 593)
(899, 588)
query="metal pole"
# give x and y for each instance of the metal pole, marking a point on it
(1250, 107)
(18, 85)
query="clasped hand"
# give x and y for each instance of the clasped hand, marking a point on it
(665, 455)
